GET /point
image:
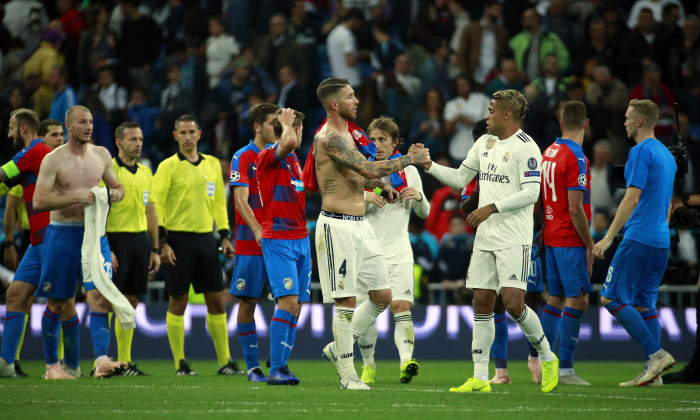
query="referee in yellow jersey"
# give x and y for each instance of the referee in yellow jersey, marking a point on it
(189, 193)
(132, 231)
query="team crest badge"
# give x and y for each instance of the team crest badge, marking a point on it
(240, 284)
(490, 143)
(582, 180)
(341, 285)
(46, 287)
(532, 163)
(288, 283)
(506, 157)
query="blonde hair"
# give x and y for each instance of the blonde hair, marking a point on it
(71, 110)
(511, 100)
(646, 110)
(387, 125)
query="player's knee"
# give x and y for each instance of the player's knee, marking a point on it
(515, 308)
(56, 306)
(177, 304)
(398, 306)
(604, 300)
(17, 295)
(381, 298)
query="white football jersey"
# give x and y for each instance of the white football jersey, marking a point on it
(504, 166)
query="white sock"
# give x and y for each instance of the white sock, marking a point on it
(365, 315)
(529, 323)
(367, 341)
(344, 343)
(404, 336)
(482, 339)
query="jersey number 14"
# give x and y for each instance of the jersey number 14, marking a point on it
(548, 178)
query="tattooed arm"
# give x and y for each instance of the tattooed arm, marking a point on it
(338, 148)
(371, 184)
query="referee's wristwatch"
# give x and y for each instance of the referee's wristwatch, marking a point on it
(155, 251)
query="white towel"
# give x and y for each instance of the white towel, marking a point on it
(93, 263)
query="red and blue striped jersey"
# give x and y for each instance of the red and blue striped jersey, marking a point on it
(27, 163)
(244, 174)
(564, 168)
(282, 191)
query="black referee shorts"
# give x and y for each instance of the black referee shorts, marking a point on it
(132, 251)
(197, 262)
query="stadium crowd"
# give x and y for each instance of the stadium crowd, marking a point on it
(432, 66)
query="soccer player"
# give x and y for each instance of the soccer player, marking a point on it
(390, 224)
(285, 239)
(347, 249)
(132, 232)
(24, 166)
(566, 197)
(636, 270)
(189, 193)
(63, 187)
(249, 275)
(508, 163)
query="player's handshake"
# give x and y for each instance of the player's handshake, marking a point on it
(420, 155)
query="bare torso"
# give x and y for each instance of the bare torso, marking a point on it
(342, 189)
(76, 172)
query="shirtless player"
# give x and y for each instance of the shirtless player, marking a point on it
(343, 173)
(63, 187)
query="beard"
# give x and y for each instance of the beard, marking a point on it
(346, 114)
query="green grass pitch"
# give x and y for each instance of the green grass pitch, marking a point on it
(165, 396)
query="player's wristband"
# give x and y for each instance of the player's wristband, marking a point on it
(224, 233)
(155, 250)
(381, 192)
(8, 243)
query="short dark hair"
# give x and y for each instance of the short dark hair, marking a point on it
(119, 131)
(185, 118)
(258, 113)
(330, 87)
(44, 126)
(354, 13)
(298, 119)
(479, 129)
(573, 115)
(28, 118)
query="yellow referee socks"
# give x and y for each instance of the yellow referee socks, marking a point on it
(61, 348)
(124, 340)
(21, 340)
(219, 334)
(175, 325)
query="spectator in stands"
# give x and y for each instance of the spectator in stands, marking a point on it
(607, 98)
(433, 72)
(65, 96)
(461, 20)
(115, 98)
(691, 49)
(655, 7)
(598, 46)
(292, 93)
(543, 95)
(672, 38)
(428, 124)
(41, 63)
(443, 205)
(386, 48)
(461, 113)
(399, 90)
(507, 78)
(602, 189)
(26, 20)
(652, 88)
(278, 49)
(641, 46)
(222, 48)
(482, 43)
(260, 76)
(343, 55)
(140, 112)
(71, 19)
(175, 100)
(307, 30)
(616, 31)
(96, 37)
(424, 245)
(532, 46)
(453, 258)
(139, 46)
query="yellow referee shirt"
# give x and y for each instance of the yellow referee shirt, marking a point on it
(129, 214)
(190, 196)
(18, 192)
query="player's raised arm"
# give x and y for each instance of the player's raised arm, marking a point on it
(45, 200)
(339, 148)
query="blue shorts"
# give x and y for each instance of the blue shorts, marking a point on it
(567, 274)
(534, 280)
(288, 264)
(61, 265)
(249, 276)
(29, 270)
(635, 274)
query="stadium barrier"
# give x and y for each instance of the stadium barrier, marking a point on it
(442, 332)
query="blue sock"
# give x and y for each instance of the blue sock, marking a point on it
(634, 324)
(651, 319)
(71, 341)
(279, 331)
(550, 320)
(99, 329)
(499, 348)
(50, 328)
(249, 342)
(291, 336)
(568, 336)
(12, 332)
